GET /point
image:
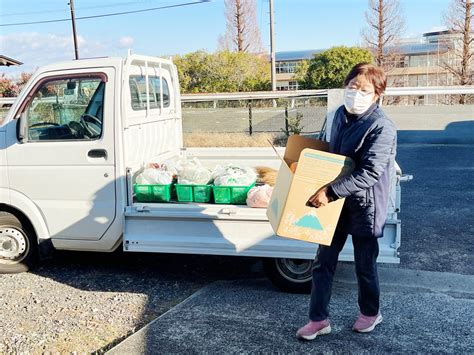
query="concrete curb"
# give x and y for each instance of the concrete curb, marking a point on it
(416, 279)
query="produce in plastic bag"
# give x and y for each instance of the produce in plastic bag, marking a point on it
(233, 175)
(259, 196)
(171, 166)
(152, 176)
(193, 173)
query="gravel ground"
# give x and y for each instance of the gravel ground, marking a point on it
(87, 302)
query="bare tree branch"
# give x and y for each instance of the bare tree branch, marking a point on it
(242, 32)
(384, 26)
(459, 21)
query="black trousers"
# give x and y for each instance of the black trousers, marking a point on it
(366, 250)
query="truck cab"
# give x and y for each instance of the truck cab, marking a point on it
(71, 145)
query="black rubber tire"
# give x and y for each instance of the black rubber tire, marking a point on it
(286, 280)
(31, 258)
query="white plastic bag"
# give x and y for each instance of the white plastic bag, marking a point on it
(193, 173)
(152, 176)
(173, 166)
(259, 196)
(233, 175)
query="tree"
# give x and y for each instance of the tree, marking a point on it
(21, 82)
(12, 87)
(223, 71)
(242, 32)
(8, 88)
(459, 22)
(385, 24)
(328, 69)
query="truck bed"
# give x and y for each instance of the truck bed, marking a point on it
(193, 228)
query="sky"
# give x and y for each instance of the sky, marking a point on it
(299, 24)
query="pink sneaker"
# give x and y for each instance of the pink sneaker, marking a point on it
(313, 329)
(365, 324)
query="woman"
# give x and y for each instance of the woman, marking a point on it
(361, 131)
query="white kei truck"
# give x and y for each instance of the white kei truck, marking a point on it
(73, 141)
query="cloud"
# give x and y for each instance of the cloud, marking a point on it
(37, 49)
(126, 41)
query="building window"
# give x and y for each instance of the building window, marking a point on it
(418, 61)
(293, 85)
(285, 67)
(290, 85)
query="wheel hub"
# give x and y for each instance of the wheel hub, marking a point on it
(295, 270)
(13, 243)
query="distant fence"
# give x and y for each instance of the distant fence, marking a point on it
(283, 111)
(276, 112)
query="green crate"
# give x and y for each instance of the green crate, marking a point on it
(152, 193)
(235, 195)
(202, 193)
(184, 193)
(193, 193)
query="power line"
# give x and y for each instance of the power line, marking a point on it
(65, 11)
(105, 15)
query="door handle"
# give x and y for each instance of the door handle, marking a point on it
(97, 153)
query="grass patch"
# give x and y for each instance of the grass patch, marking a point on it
(216, 139)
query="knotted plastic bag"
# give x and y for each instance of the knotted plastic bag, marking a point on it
(152, 176)
(233, 175)
(259, 196)
(193, 173)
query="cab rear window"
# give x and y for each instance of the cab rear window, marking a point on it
(137, 85)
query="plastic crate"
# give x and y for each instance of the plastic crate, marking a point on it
(194, 193)
(235, 195)
(152, 193)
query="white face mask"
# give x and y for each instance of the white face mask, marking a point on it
(356, 101)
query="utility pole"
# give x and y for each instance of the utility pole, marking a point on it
(272, 47)
(74, 35)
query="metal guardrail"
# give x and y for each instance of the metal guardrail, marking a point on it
(7, 101)
(261, 95)
(256, 95)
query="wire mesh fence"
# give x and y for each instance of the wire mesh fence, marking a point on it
(305, 115)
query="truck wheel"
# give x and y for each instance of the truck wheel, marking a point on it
(289, 275)
(18, 247)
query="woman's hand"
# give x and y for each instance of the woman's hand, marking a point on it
(319, 198)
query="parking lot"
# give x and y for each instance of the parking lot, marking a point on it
(88, 302)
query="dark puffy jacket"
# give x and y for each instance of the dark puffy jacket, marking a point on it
(370, 139)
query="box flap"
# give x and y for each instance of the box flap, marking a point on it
(296, 144)
(279, 195)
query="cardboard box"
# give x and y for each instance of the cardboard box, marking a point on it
(287, 211)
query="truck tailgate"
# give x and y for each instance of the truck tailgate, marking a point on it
(225, 230)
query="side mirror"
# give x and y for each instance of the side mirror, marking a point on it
(23, 128)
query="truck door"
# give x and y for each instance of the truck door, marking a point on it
(61, 152)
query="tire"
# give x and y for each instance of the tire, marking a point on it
(289, 275)
(18, 246)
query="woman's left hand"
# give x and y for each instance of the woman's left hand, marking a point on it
(319, 198)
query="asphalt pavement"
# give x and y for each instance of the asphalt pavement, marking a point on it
(437, 211)
(423, 312)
